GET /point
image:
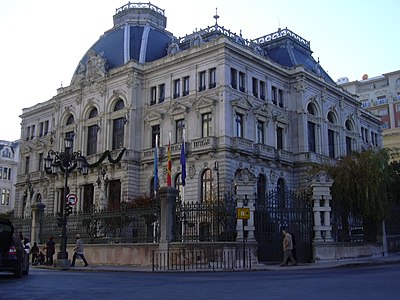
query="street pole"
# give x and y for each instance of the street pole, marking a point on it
(63, 254)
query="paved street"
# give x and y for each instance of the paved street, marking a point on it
(362, 282)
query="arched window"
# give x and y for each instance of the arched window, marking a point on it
(119, 105)
(93, 113)
(118, 127)
(331, 135)
(349, 125)
(206, 186)
(311, 109)
(70, 120)
(331, 118)
(312, 129)
(261, 187)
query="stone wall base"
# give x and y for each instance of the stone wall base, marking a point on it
(327, 252)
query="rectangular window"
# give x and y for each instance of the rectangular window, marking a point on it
(348, 145)
(242, 82)
(7, 197)
(161, 93)
(28, 132)
(155, 131)
(233, 78)
(118, 133)
(398, 95)
(92, 140)
(185, 91)
(70, 134)
(26, 165)
(382, 112)
(364, 103)
(46, 127)
(153, 95)
(397, 107)
(274, 95)
(180, 125)
(40, 162)
(331, 143)
(33, 132)
(3, 197)
(206, 125)
(1, 172)
(212, 78)
(202, 81)
(239, 125)
(5, 172)
(381, 100)
(260, 132)
(177, 88)
(255, 87)
(279, 138)
(280, 98)
(262, 90)
(41, 129)
(311, 137)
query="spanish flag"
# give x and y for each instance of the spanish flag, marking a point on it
(169, 163)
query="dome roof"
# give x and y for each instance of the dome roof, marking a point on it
(138, 34)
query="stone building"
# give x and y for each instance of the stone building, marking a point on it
(9, 154)
(264, 104)
(381, 96)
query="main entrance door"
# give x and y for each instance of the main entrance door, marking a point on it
(283, 208)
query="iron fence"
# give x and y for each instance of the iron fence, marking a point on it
(205, 222)
(201, 259)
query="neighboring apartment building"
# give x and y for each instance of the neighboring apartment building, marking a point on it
(9, 155)
(264, 104)
(381, 96)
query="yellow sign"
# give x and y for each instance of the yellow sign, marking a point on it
(243, 213)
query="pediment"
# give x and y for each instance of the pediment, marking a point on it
(242, 103)
(263, 110)
(177, 108)
(25, 149)
(153, 115)
(38, 145)
(203, 102)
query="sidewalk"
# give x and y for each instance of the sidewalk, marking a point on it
(371, 261)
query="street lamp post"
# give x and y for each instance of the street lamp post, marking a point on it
(66, 161)
(216, 168)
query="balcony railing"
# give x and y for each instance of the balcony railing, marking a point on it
(206, 143)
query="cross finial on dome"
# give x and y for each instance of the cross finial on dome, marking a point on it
(216, 17)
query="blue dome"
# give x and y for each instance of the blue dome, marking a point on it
(138, 34)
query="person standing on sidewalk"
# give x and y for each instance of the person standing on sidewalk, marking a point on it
(287, 248)
(79, 251)
(50, 250)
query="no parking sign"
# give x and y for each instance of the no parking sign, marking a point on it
(72, 199)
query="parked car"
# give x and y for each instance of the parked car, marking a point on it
(13, 257)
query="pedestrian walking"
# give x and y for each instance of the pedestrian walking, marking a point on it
(50, 250)
(34, 252)
(287, 248)
(79, 252)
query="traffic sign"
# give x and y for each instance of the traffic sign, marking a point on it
(72, 199)
(243, 213)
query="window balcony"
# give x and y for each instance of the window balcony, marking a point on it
(204, 144)
(242, 145)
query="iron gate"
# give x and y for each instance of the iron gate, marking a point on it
(283, 208)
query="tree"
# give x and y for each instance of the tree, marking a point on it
(362, 188)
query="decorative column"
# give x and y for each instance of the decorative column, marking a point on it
(168, 215)
(321, 196)
(245, 185)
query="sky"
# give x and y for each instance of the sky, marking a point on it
(42, 41)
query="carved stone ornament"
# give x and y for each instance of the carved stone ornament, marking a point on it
(192, 171)
(300, 86)
(94, 69)
(245, 177)
(173, 48)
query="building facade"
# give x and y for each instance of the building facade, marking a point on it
(9, 155)
(381, 96)
(264, 104)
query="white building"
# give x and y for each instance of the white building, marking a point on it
(264, 104)
(9, 154)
